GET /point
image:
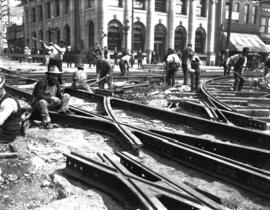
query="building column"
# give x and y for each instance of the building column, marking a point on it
(150, 29)
(61, 8)
(171, 23)
(191, 21)
(100, 27)
(127, 23)
(72, 24)
(211, 32)
(44, 28)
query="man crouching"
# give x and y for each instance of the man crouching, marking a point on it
(10, 115)
(47, 95)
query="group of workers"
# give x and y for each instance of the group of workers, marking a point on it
(190, 64)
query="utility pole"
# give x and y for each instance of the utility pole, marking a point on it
(132, 28)
(229, 24)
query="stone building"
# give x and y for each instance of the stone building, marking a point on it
(157, 24)
(249, 27)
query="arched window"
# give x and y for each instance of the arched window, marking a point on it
(246, 14)
(34, 35)
(67, 34)
(180, 38)
(138, 36)
(91, 34)
(200, 40)
(160, 39)
(114, 35)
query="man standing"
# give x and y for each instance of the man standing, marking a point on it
(115, 55)
(80, 79)
(239, 62)
(195, 76)
(105, 52)
(124, 63)
(10, 116)
(173, 63)
(266, 65)
(104, 73)
(56, 53)
(225, 59)
(47, 95)
(139, 58)
(68, 57)
(185, 56)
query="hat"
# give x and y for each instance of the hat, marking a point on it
(2, 81)
(80, 66)
(245, 50)
(54, 70)
(69, 47)
(189, 45)
(64, 42)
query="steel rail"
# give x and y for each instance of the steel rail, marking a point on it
(236, 118)
(241, 175)
(132, 191)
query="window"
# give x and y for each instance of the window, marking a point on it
(254, 15)
(139, 4)
(91, 34)
(90, 3)
(139, 36)
(115, 35)
(40, 12)
(236, 7)
(48, 10)
(200, 40)
(263, 25)
(181, 7)
(180, 38)
(33, 14)
(201, 8)
(57, 8)
(160, 5)
(246, 14)
(116, 3)
(67, 34)
(26, 15)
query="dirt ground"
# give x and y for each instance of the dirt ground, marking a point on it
(35, 179)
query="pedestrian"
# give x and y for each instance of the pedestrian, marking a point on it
(139, 58)
(27, 53)
(225, 59)
(187, 52)
(80, 79)
(124, 63)
(56, 53)
(165, 64)
(173, 63)
(68, 57)
(115, 56)
(239, 62)
(195, 63)
(90, 57)
(104, 73)
(266, 65)
(47, 95)
(105, 52)
(10, 115)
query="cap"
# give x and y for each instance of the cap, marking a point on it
(189, 45)
(2, 81)
(69, 47)
(54, 70)
(80, 66)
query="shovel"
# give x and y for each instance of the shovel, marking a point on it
(98, 81)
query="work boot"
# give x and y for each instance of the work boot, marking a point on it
(48, 125)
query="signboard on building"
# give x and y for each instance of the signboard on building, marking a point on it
(235, 15)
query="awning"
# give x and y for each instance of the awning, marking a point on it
(238, 41)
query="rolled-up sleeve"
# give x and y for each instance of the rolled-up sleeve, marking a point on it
(8, 106)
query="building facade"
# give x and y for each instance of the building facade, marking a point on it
(157, 24)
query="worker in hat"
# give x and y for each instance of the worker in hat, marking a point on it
(10, 115)
(47, 95)
(68, 56)
(56, 53)
(104, 73)
(238, 62)
(173, 63)
(80, 79)
(187, 52)
(124, 63)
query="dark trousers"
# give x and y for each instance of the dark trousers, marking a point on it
(195, 80)
(185, 73)
(108, 80)
(5, 138)
(226, 70)
(238, 81)
(57, 63)
(170, 76)
(123, 67)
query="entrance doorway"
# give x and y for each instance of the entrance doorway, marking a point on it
(160, 41)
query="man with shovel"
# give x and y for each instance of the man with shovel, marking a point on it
(104, 73)
(239, 62)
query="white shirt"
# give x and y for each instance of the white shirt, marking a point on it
(8, 106)
(126, 58)
(233, 59)
(173, 58)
